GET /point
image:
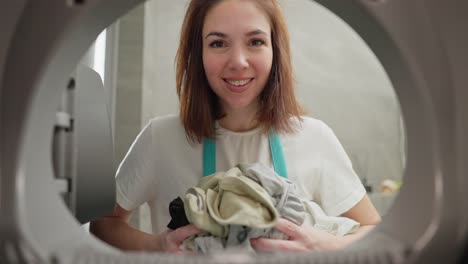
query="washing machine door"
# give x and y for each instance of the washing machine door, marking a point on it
(420, 43)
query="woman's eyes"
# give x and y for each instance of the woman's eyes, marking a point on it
(217, 44)
(257, 42)
(222, 44)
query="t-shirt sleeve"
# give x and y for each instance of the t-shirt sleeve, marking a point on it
(135, 173)
(339, 187)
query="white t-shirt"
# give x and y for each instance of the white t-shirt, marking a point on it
(161, 165)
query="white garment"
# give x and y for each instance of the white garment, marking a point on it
(162, 164)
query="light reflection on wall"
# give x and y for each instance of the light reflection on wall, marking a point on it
(100, 54)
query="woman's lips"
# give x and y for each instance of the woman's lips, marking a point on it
(238, 88)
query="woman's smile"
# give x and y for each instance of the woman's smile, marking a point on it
(238, 85)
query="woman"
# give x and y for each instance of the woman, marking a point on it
(235, 85)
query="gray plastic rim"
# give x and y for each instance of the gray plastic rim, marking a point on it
(51, 36)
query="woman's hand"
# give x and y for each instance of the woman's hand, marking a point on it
(170, 241)
(301, 238)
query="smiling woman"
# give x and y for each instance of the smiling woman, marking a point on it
(238, 106)
(236, 52)
(237, 59)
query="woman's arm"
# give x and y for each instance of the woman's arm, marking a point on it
(306, 238)
(114, 230)
(364, 213)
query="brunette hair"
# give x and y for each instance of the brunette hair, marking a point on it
(199, 104)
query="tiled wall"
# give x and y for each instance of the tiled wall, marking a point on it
(128, 93)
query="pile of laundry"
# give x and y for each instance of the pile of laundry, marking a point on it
(243, 203)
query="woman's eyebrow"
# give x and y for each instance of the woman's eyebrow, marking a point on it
(249, 34)
(256, 32)
(216, 34)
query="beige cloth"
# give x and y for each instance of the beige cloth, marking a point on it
(229, 198)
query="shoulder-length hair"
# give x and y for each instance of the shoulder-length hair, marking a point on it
(199, 104)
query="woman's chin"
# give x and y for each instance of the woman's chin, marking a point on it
(239, 106)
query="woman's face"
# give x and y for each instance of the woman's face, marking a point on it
(237, 53)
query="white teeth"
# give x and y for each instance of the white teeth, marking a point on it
(238, 82)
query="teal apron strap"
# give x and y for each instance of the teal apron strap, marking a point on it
(209, 156)
(276, 149)
(277, 154)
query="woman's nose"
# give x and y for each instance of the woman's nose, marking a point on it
(238, 59)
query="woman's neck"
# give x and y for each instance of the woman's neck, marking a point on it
(240, 120)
